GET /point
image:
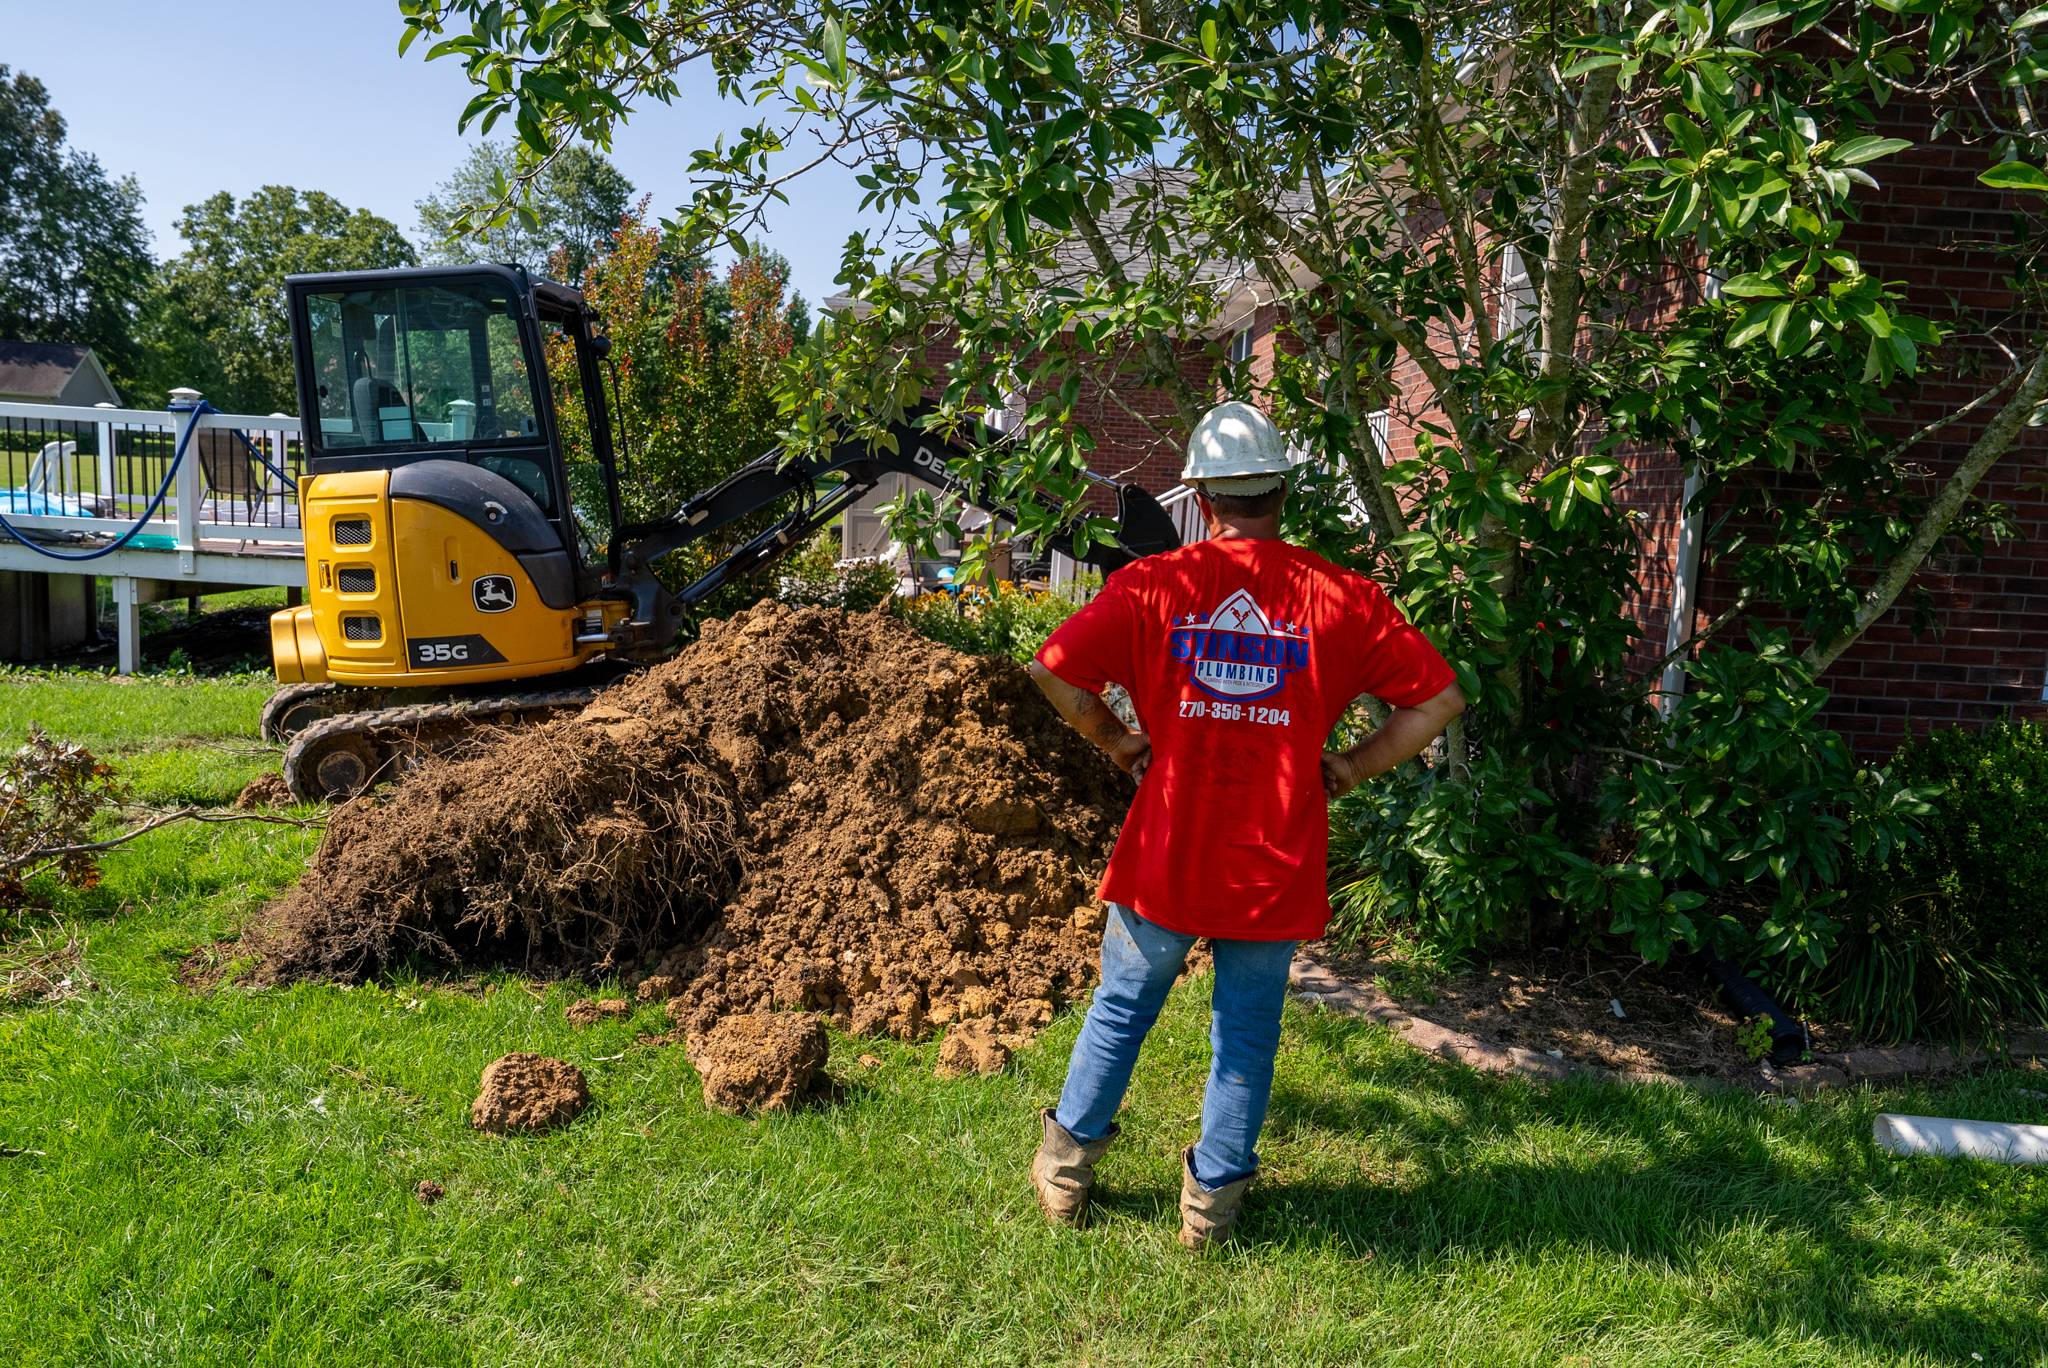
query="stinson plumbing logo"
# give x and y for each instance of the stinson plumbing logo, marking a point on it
(1237, 652)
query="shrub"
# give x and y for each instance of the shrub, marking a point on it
(812, 574)
(49, 793)
(1004, 621)
(1739, 799)
(1943, 939)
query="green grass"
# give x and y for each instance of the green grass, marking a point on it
(226, 1178)
(176, 739)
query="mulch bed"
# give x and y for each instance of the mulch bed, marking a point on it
(1559, 1003)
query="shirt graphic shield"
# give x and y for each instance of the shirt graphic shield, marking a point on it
(1237, 652)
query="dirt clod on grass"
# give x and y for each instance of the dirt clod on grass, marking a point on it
(590, 1011)
(760, 1061)
(973, 1047)
(657, 988)
(805, 810)
(528, 1092)
(266, 790)
(428, 1192)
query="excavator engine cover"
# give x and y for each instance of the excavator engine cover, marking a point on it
(429, 574)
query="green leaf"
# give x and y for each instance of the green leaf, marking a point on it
(1756, 17)
(1592, 63)
(1752, 286)
(833, 45)
(2016, 175)
(1681, 212)
(1013, 223)
(1688, 135)
(2036, 15)
(2025, 71)
(1209, 39)
(1408, 34)
(1858, 150)
(1136, 124)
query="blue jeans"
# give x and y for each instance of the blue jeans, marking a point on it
(1140, 961)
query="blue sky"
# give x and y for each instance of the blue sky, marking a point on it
(207, 95)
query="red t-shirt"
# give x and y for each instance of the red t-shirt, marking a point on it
(1240, 655)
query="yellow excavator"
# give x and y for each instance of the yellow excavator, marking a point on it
(447, 581)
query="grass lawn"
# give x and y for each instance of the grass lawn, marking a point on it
(228, 1176)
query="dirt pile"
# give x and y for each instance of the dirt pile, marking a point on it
(527, 1092)
(975, 1046)
(761, 1061)
(804, 810)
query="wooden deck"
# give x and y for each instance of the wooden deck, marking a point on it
(228, 521)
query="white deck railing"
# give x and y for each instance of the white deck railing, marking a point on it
(73, 480)
(92, 472)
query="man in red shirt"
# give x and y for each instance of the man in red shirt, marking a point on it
(1239, 654)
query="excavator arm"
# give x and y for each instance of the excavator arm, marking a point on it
(1143, 527)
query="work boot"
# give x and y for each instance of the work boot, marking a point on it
(1064, 1169)
(1206, 1216)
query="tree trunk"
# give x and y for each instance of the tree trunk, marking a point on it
(1997, 439)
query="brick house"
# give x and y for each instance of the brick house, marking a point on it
(1930, 226)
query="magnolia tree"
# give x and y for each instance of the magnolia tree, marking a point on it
(1067, 191)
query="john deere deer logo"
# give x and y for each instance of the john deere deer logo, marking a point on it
(493, 593)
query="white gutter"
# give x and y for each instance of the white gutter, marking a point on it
(1685, 575)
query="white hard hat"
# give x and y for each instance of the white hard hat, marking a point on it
(1235, 449)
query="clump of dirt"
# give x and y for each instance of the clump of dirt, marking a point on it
(657, 988)
(973, 1047)
(760, 1061)
(811, 810)
(590, 1011)
(528, 1092)
(266, 790)
(428, 1192)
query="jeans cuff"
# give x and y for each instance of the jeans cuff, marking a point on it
(1223, 1182)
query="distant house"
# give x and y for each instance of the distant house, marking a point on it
(53, 373)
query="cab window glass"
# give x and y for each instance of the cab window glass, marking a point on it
(419, 365)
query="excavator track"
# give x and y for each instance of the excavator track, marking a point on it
(341, 756)
(296, 707)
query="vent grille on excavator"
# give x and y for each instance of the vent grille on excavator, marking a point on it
(351, 531)
(356, 580)
(362, 629)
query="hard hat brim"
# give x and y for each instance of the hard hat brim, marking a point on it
(1242, 486)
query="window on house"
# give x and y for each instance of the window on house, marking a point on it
(1380, 424)
(1241, 346)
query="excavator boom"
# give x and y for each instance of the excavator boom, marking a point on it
(1143, 527)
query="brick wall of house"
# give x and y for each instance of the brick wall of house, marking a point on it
(1139, 437)
(1982, 649)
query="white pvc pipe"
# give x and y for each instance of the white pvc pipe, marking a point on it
(1994, 1140)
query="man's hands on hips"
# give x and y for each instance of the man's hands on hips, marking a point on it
(1406, 732)
(1087, 714)
(1132, 753)
(1340, 774)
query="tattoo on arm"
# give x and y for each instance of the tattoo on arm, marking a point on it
(1094, 720)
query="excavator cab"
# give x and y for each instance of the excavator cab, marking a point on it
(441, 544)
(443, 555)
